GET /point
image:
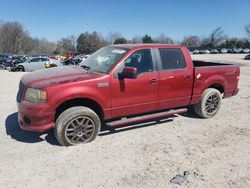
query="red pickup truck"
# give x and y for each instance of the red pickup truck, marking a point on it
(121, 84)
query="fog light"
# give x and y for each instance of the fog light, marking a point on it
(26, 120)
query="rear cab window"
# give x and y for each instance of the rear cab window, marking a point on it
(171, 59)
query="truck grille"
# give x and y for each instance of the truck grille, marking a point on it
(20, 92)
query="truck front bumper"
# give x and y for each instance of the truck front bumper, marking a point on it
(236, 91)
(36, 117)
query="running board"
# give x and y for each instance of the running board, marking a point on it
(145, 117)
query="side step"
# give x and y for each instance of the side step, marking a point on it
(145, 117)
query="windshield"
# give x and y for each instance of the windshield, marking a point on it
(104, 59)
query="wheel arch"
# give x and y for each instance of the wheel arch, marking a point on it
(217, 86)
(95, 106)
(21, 66)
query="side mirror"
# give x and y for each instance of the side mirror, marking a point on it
(128, 72)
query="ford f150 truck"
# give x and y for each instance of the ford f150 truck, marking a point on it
(119, 85)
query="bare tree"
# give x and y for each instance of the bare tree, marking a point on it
(137, 39)
(66, 44)
(73, 40)
(164, 39)
(217, 36)
(42, 47)
(89, 42)
(121, 40)
(191, 41)
(11, 37)
(112, 36)
(247, 29)
(147, 39)
(27, 45)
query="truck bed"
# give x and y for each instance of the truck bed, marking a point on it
(208, 64)
(222, 76)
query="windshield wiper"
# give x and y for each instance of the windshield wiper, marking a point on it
(85, 67)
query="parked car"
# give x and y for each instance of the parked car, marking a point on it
(214, 51)
(247, 57)
(6, 62)
(33, 64)
(207, 51)
(116, 85)
(231, 51)
(68, 62)
(72, 61)
(246, 50)
(202, 51)
(2, 62)
(236, 50)
(196, 52)
(223, 50)
(17, 60)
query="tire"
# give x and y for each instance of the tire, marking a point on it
(2, 67)
(77, 125)
(210, 103)
(20, 69)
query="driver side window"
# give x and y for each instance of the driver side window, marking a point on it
(141, 60)
(34, 60)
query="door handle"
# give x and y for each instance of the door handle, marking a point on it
(153, 80)
(187, 77)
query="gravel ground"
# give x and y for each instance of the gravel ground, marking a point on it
(215, 151)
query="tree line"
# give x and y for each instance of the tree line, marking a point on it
(14, 39)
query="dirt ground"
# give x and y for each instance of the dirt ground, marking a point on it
(215, 151)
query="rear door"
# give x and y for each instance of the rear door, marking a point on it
(134, 96)
(175, 78)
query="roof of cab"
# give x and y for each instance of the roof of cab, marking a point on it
(130, 46)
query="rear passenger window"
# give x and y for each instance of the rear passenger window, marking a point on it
(172, 58)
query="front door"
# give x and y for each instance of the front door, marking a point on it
(139, 95)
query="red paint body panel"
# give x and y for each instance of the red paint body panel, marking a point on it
(41, 116)
(151, 91)
(225, 76)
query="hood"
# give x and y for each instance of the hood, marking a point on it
(57, 75)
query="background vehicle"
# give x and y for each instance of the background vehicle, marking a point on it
(121, 84)
(33, 64)
(16, 60)
(214, 51)
(223, 51)
(247, 56)
(196, 52)
(202, 51)
(246, 50)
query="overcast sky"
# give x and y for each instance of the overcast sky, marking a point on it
(53, 19)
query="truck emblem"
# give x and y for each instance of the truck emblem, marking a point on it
(102, 84)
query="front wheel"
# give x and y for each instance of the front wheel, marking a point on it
(210, 103)
(77, 125)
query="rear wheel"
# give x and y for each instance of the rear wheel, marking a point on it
(210, 103)
(20, 69)
(77, 125)
(2, 66)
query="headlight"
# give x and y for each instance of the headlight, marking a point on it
(35, 95)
